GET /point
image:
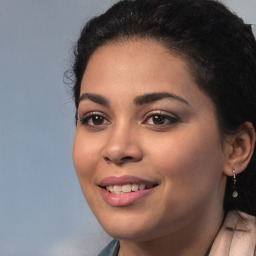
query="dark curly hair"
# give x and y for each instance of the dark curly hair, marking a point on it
(219, 48)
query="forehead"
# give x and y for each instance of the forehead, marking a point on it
(131, 60)
(131, 68)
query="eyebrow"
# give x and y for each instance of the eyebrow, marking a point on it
(139, 100)
(95, 98)
(152, 97)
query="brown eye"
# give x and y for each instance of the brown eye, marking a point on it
(94, 120)
(97, 120)
(160, 120)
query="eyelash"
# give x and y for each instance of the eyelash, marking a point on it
(162, 118)
(88, 119)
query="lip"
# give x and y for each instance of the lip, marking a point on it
(122, 180)
(126, 199)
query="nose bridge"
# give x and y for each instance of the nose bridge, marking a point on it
(122, 144)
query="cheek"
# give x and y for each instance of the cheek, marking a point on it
(188, 161)
(85, 157)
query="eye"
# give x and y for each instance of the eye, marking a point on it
(160, 119)
(94, 119)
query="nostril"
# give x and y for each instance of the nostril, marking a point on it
(120, 150)
(106, 159)
(119, 160)
(127, 158)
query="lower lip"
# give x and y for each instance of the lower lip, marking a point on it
(124, 199)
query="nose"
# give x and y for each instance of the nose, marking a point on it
(122, 147)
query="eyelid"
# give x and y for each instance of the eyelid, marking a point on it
(162, 113)
(171, 117)
(92, 113)
(87, 116)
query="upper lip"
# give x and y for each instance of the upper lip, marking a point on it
(126, 179)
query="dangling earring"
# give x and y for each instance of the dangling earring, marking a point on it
(235, 194)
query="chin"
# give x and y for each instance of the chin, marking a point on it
(131, 234)
(128, 228)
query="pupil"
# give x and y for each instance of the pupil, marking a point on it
(158, 119)
(97, 120)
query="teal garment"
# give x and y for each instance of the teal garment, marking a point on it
(111, 249)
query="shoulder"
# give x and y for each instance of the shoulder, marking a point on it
(111, 249)
(237, 236)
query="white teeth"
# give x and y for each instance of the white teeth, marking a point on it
(135, 187)
(117, 189)
(142, 186)
(110, 188)
(127, 188)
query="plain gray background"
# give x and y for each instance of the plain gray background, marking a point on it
(42, 210)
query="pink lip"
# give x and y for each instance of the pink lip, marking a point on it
(124, 199)
(127, 198)
(122, 180)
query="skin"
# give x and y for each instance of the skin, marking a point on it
(185, 155)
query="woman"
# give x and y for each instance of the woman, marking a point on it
(165, 92)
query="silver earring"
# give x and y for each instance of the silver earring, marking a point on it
(235, 194)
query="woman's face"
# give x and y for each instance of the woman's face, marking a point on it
(147, 149)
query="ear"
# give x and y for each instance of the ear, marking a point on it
(239, 148)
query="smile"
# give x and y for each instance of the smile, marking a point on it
(127, 188)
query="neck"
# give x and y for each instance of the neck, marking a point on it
(195, 239)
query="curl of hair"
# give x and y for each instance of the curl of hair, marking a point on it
(218, 46)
